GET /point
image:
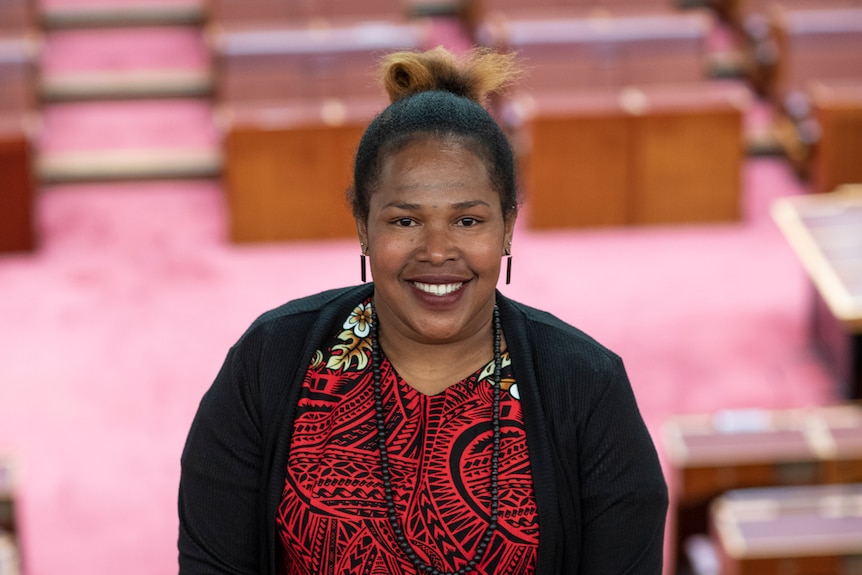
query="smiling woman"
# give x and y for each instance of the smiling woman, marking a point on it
(424, 423)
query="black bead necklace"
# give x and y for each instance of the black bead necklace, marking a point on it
(388, 495)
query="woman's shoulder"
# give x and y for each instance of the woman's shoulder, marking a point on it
(330, 306)
(554, 340)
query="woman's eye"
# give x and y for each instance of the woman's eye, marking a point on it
(404, 222)
(469, 222)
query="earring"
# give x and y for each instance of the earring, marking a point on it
(362, 262)
(508, 265)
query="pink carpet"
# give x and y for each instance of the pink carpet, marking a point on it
(112, 332)
(124, 50)
(133, 124)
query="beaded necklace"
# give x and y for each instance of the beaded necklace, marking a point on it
(482, 546)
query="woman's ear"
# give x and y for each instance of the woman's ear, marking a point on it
(508, 232)
(362, 232)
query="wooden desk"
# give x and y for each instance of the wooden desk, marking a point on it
(17, 186)
(822, 43)
(254, 13)
(10, 557)
(287, 169)
(657, 154)
(837, 108)
(811, 530)
(825, 232)
(605, 51)
(267, 64)
(16, 16)
(18, 55)
(714, 453)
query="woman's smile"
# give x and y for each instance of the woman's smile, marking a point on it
(438, 289)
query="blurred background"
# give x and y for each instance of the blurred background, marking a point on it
(170, 169)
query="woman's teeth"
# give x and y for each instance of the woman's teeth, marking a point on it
(438, 289)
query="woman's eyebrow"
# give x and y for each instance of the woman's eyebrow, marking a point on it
(458, 205)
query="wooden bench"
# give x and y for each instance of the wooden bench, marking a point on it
(249, 14)
(16, 16)
(736, 12)
(791, 43)
(606, 51)
(809, 530)
(18, 53)
(10, 554)
(824, 232)
(661, 154)
(710, 454)
(287, 169)
(836, 107)
(17, 226)
(518, 9)
(300, 63)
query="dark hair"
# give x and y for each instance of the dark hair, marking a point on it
(434, 95)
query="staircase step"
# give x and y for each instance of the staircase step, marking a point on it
(132, 164)
(125, 63)
(141, 139)
(126, 85)
(58, 14)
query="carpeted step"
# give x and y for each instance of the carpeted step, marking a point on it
(125, 63)
(120, 140)
(55, 14)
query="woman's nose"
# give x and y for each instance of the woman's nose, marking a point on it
(438, 245)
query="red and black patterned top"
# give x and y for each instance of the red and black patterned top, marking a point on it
(332, 517)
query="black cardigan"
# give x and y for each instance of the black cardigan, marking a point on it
(601, 495)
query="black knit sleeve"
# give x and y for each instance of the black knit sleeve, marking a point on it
(623, 491)
(219, 513)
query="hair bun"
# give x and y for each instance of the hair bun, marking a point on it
(477, 74)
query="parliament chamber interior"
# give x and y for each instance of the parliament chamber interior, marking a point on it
(197, 150)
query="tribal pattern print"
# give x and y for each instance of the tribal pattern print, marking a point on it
(332, 517)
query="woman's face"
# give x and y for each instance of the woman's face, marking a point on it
(435, 237)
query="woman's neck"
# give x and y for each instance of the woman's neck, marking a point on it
(430, 367)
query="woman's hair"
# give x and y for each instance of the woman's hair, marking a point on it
(434, 94)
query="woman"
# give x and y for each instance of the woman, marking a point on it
(423, 423)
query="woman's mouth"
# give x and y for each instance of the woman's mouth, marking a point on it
(438, 289)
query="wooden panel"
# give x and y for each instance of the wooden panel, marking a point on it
(737, 11)
(815, 44)
(17, 75)
(254, 13)
(250, 13)
(687, 163)
(336, 10)
(16, 191)
(811, 530)
(286, 178)
(16, 16)
(823, 230)
(521, 9)
(656, 155)
(576, 173)
(837, 108)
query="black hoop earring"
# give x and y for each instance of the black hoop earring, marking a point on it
(508, 267)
